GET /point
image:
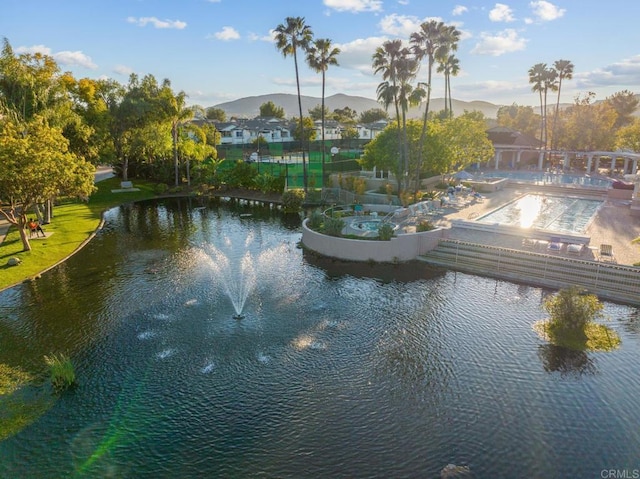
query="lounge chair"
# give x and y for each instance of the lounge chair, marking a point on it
(575, 249)
(555, 245)
(606, 253)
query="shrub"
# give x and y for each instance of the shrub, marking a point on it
(61, 371)
(385, 232)
(571, 309)
(424, 225)
(316, 218)
(161, 188)
(333, 226)
(292, 201)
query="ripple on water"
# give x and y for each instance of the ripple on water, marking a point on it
(166, 353)
(147, 335)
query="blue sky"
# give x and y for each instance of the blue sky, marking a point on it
(221, 50)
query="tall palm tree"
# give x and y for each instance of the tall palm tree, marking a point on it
(433, 40)
(320, 55)
(449, 66)
(386, 60)
(537, 75)
(564, 69)
(398, 67)
(290, 36)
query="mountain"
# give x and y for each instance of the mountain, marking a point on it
(249, 107)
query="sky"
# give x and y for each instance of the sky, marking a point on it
(221, 50)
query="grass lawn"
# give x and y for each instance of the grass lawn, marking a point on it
(72, 224)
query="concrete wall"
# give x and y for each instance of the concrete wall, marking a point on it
(404, 247)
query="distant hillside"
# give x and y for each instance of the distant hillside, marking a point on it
(249, 107)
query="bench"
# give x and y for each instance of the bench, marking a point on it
(126, 184)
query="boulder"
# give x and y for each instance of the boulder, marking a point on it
(13, 261)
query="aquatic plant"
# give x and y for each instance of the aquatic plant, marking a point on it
(61, 370)
(572, 323)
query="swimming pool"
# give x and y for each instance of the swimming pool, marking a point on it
(366, 226)
(563, 214)
(544, 178)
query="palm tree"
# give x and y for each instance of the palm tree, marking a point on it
(537, 75)
(449, 66)
(385, 60)
(433, 40)
(320, 55)
(290, 36)
(398, 68)
(564, 69)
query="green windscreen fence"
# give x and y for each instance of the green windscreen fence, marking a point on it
(276, 160)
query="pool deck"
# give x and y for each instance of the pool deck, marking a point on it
(613, 224)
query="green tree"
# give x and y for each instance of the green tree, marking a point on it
(317, 111)
(320, 55)
(217, 114)
(521, 118)
(37, 166)
(349, 133)
(270, 110)
(625, 103)
(307, 133)
(290, 36)
(628, 137)
(345, 115)
(466, 141)
(587, 125)
(372, 115)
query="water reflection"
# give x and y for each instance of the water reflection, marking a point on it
(567, 362)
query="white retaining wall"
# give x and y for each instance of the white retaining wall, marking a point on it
(404, 247)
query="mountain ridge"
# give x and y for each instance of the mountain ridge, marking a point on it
(249, 107)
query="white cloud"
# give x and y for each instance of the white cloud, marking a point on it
(123, 70)
(403, 2)
(62, 58)
(459, 10)
(625, 72)
(227, 34)
(75, 58)
(34, 49)
(503, 42)
(400, 25)
(545, 11)
(356, 55)
(501, 13)
(144, 21)
(354, 6)
(269, 37)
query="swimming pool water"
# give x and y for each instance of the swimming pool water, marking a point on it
(555, 213)
(543, 178)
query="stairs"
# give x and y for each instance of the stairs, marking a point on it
(606, 280)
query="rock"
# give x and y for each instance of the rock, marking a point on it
(13, 261)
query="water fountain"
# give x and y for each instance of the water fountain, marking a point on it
(236, 274)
